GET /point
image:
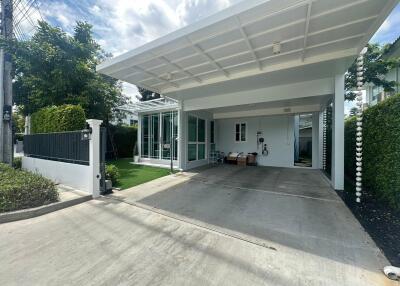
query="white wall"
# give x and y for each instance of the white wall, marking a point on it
(277, 131)
(73, 175)
(270, 94)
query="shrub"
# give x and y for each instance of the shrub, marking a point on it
(21, 190)
(350, 147)
(112, 173)
(58, 119)
(124, 139)
(381, 150)
(17, 163)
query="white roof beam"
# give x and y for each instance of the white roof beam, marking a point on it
(296, 5)
(246, 39)
(210, 59)
(188, 73)
(156, 76)
(272, 29)
(277, 55)
(306, 30)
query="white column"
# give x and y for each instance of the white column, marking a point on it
(181, 137)
(338, 134)
(139, 136)
(320, 138)
(315, 140)
(94, 156)
(27, 125)
(296, 137)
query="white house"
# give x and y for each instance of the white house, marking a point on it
(126, 118)
(244, 74)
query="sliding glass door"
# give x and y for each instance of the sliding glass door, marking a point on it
(159, 135)
(169, 135)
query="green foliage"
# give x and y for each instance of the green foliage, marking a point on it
(21, 190)
(17, 163)
(112, 173)
(125, 140)
(58, 118)
(350, 146)
(381, 150)
(375, 68)
(54, 68)
(18, 122)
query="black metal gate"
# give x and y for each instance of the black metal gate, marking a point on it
(103, 149)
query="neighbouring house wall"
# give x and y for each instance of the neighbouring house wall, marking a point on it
(185, 164)
(72, 175)
(277, 131)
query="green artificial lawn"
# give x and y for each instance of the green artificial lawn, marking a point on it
(133, 175)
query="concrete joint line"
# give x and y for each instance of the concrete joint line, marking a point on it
(271, 192)
(198, 225)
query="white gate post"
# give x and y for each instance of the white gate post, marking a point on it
(94, 157)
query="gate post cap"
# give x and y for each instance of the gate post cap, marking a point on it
(94, 122)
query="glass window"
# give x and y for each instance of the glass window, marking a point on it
(197, 138)
(201, 130)
(243, 132)
(192, 129)
(159, 126)
(154, 138)
(212, 132)
(145, 136)
(192, 152)
(240, 132)
(201, 151)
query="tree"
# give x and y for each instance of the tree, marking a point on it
(54, 68)
(353, 111)
(375, 68)
(147, 94)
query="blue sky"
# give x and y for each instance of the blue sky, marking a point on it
(121, 25)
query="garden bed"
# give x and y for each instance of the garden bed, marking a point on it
(21, 190)
(380, 221)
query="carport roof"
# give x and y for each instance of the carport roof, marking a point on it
(238, 42)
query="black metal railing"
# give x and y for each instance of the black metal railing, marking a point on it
(63, 146)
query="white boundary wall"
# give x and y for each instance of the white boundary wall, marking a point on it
(81, 177)
(73, 175)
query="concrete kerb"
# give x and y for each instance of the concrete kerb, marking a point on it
(38, 211)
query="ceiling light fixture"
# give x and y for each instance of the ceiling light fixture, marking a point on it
(276, 48)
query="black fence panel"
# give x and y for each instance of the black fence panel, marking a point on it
(63, 146)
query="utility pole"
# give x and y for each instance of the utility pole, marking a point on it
(6, 134)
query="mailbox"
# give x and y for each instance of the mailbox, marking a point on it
(7, 112)
(85, 134)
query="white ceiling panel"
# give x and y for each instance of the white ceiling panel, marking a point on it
(237, 43)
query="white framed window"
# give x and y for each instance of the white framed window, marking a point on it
(241, 132)
(196, 138)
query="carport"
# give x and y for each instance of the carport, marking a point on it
(291, 213)
(245, 73)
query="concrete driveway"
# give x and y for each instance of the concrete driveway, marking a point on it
(218, 226)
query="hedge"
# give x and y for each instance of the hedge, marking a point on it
(125, 138)
(350, 147)
(58, 119)
(381, 150)
(21, 189)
